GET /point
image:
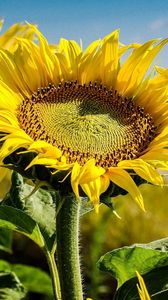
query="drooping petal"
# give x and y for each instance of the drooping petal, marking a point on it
(14, 142)
(123, 179)
(143, 169)
(75, 179)
(157, 154)
(84, 174)
(5, 181)
(47, 154)
(41, 160)
(143, 292)
(95, 188)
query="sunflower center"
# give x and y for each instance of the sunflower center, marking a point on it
(87, 121)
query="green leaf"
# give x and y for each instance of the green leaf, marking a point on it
(161, 245)
(14, 197)
(6, 240)
(156, 282)
(4, 266)
(41, 208)
(30, 277)
(10, 287)
(17, 220)
(39, 205)
(123, 262)
(34, 279)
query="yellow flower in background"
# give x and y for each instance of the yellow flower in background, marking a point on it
(142, 290)
(85, 113)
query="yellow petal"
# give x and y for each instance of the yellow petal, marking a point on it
(134, 69)
(49, 160)
(11, 75)
(1, 23)
(162, 165)
(75, 179)
(143, 293)
(89, 63)
(91, 189)
(109, 58)
(45, 148)
(29, 64)
(161, 140)
(143, 169)
(8, 38)
(124, 48)
(14, 142)
(8, 118)
(9, 98)
(162, 154)
(72, 53)
(61, 165)
(84, 174)
(5, 181)
(123, 179)
(50, 60)
(95, 188)
(90, 172)
(41, 161)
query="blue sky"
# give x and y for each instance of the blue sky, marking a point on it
(89, 20)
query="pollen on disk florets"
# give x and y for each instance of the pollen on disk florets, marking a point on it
(87, 121)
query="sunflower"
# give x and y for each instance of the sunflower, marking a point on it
(84, 114)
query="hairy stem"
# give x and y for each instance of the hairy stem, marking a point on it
(68, 250)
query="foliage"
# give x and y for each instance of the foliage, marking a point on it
(105, 231)
(10, 287)
(6, 240)
(151, 260)
(20, 213)
(32, 213)
(30, 277)
(38, 208)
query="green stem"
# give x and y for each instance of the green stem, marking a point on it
(54, 276)
(68, 250)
